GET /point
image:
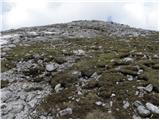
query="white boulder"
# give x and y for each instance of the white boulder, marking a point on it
(51, 67)
(128, 60)
(149, 88)
(58, 88)
(143, 111)
(152, 108)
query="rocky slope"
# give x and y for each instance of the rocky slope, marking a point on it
(81, 69)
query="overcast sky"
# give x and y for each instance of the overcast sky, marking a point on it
(24, 13)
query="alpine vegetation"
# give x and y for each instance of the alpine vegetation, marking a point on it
(82, 69)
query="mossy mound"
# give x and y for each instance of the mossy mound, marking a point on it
(4, 83)
(65, 78)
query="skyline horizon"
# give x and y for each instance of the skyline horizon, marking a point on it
(74, 21)
(26, 13)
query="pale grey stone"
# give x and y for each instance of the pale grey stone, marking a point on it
(125, 104)
(152, 108)
(136, 117)
(143, 111)
(130, 77)
(32, 103)
(11, 45)
(17, 107)
(98, 103)
(30, 96)
(51, 67)
(137, 103)
(58, 88)
(149, 88)
(128, 60)
(79, 52)
(5, 95)
(140, 71)
(113, 95)
(67, 111)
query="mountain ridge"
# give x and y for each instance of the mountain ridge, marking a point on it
(82, 69)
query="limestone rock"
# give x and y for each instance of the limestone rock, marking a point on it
(149, 88)
(152, 108)
(79, 52)
(143, 112)
(130, 77)
(51, 67)
(126, 104)
(67, 111)
(128, 60)
(58, 88)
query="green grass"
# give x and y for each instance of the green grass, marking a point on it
(103, 55)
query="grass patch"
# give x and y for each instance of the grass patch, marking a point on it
(4, 83)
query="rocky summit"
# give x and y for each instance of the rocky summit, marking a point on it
(82, 69)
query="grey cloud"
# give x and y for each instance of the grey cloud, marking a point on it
(58, 12)
(5, 7)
